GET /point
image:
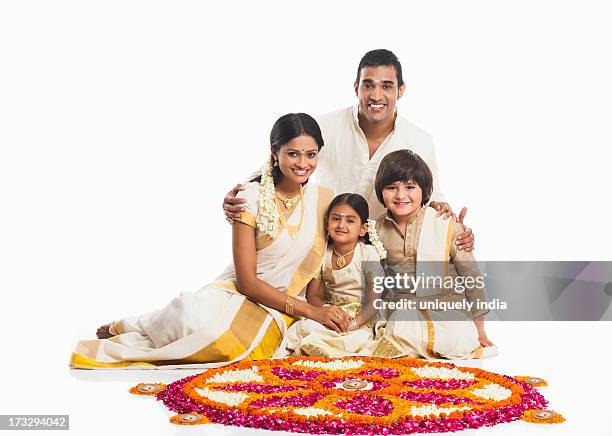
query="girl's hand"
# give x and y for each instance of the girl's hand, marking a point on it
(332, 317)
(485, 342)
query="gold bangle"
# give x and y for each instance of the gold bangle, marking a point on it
(289, 309)
(353, 324)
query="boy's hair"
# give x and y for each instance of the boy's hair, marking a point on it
(358, 203)
(381, 58)
(403, 166)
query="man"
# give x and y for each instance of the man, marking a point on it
(357, 138)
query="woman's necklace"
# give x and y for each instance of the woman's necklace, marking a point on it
(341, 260)
(288, 202)
(292, 230)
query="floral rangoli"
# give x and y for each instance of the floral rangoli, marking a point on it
(356, 395)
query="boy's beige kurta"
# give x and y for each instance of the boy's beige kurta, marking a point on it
(428, 242)
(217, 325)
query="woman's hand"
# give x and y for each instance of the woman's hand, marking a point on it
(331, 317)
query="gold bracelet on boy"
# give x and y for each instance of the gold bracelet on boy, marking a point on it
(289, 308)
(353, 324)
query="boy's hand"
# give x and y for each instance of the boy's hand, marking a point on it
(232, 205)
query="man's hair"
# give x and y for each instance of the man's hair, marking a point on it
(378, 58)
(403, 166)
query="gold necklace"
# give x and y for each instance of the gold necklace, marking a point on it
(292, 230)
(341, 261)
(288, 202)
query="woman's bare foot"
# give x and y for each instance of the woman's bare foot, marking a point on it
(485, 342)
(104, 332)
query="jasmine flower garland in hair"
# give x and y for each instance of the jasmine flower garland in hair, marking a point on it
(380, 249)
(267, 212)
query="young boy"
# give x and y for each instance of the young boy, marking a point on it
(444, 318)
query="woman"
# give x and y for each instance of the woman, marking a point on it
(278, 246)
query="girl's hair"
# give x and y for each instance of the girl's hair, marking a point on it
(291, 126)
(403, 166)
(357, 203)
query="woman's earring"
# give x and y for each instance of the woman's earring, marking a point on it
(275, 162)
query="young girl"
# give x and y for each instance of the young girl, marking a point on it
(420, 245)
(345, 282)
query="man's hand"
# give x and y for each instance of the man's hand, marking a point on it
(465, 241)
(442, 208)
(232, 205)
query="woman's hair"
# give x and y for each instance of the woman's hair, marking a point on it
(403, 166)
(359, 205)
(291, 126)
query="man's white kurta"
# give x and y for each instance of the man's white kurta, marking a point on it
(345, 164)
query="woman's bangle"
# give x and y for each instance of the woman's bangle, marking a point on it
(289, 308)
(353, 324)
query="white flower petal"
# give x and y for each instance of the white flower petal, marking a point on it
(493, 391)
(237, 375)
(311, 411)
(442, 373)
(432, 409)
(334, 365)
(229, 398)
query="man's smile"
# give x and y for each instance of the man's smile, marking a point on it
(376, 106)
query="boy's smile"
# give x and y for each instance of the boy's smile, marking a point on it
(403, 199)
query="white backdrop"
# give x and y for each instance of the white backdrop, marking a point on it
(124, 123)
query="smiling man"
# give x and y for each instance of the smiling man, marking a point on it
(358, 137)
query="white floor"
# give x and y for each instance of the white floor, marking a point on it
(573, 357)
